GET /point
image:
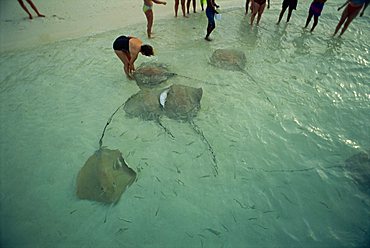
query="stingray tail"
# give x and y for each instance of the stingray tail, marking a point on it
(204, 139)
(194, 79)
(107, 124)
(260, 88)
(165, 128)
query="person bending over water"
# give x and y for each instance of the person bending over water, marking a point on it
(258, 6)
(315, 11)
(292, 4)
(147, 9)
(210, 12)
(127, 48)
(32, 6)
(353, 7)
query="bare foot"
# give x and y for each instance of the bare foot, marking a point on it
(41, 15)
(207, 39)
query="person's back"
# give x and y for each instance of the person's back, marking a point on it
(127, 49)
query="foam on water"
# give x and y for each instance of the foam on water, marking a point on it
(281, 180)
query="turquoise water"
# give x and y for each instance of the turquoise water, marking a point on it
(281, 180)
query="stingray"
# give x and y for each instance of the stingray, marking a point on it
(181, 102)
(358, 167)
(149, 75)
(229, 59)
(145, 105)
(104, 177)
(178, 102)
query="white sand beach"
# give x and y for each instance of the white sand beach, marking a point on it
(72, 19)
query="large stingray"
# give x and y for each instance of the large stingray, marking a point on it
(358, 167)
(229, 59)
(181, 102)
(178, 102)
(149, 75)
(104, 177)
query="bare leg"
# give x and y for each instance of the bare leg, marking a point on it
(349, 20)
(188, 6)
(281, 14)
(194, 6)
(246, 6)
(201, 5)
(309, 17)
(255, 7)
(342, 19)
(260, 11)
(34, 8)
(176, 7)
(315, 21)
(149, 18)
(25, 8)
(183, 8)
(289, 14)
(124, 57)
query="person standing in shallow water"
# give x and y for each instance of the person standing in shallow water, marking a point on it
(210, 12)
(32, 6)
(353, 7)
(314, 11)
(188, 6)
(292, 4)
(247, 6)
(258, 6)
(182, 7)
(147, 9)
(127, 48)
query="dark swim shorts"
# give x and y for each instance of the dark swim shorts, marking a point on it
(211, 16)
(121, 43)
(292, 4)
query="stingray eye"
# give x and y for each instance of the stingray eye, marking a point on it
(117, 164)
(114, 184)
(101, 188)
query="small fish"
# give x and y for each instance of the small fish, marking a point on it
(188, 144)
(225, 227)
(215, 232)
(180, 182)
(205, 176)
(128, 221)
(326, 205)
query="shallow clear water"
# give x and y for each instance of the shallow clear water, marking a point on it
(281, 180)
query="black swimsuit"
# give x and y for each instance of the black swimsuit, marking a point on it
(122, 43)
